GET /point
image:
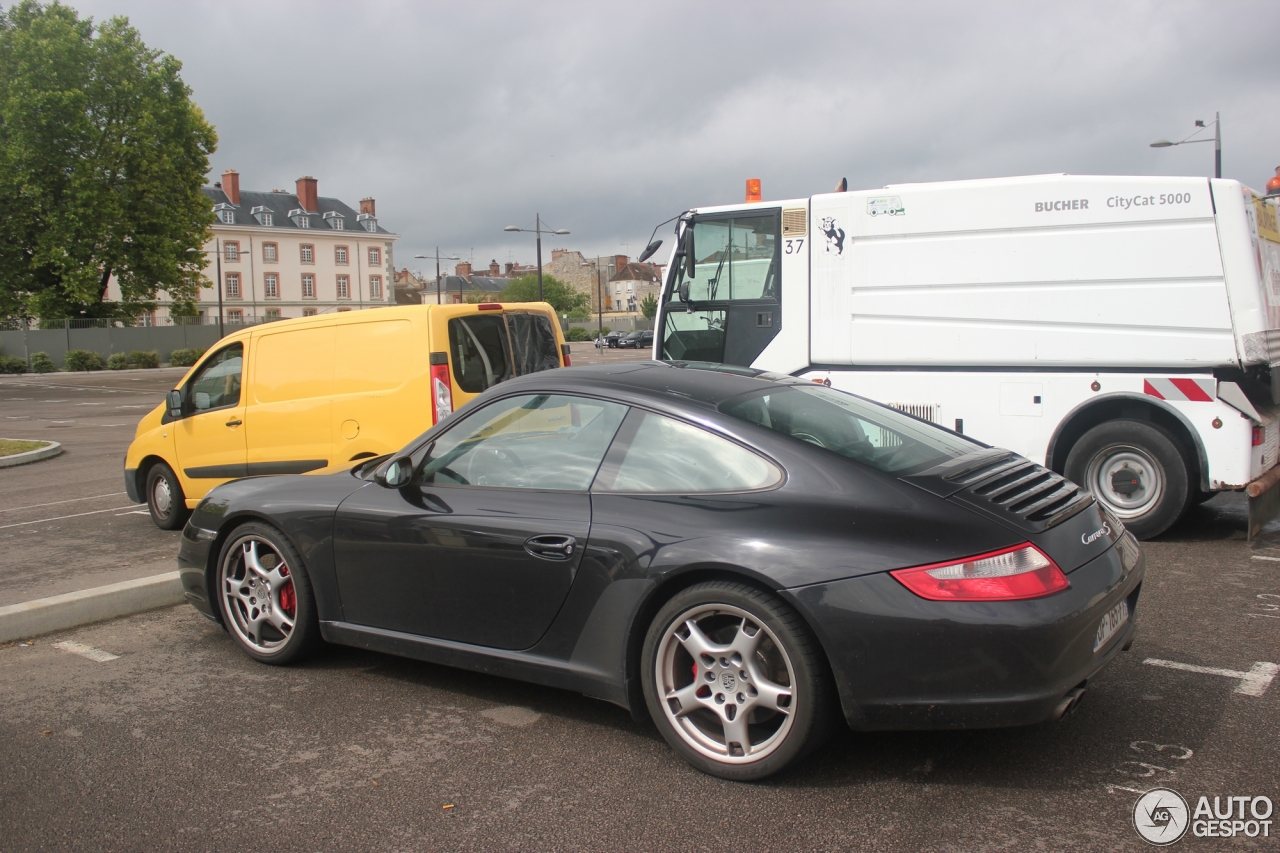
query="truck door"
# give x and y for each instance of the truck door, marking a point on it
(722, 297)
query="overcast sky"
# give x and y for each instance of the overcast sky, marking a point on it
(464, 117)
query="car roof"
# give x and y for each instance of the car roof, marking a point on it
(683, 383)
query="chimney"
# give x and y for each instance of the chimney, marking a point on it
(308, 196)
(619, 262)
(369, 206)
(494, 269)
(231, 186)
(463, 269)
(510, 267)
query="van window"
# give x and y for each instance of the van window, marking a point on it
(533, 343)
(478, 350)
(217, 385)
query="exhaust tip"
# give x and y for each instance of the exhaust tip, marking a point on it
(1068, 703)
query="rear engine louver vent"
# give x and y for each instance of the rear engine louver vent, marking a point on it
(795, 222)
(1022, 489)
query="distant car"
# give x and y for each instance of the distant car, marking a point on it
(738, 555)
(611, 339)
(637, 340)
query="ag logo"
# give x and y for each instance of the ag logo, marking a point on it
(1161, 816)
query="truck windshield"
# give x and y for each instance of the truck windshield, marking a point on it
(735, 259)
(854, 428)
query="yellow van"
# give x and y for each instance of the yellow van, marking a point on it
(300, 395)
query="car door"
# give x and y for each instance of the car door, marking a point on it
(483, 545)
(210, 438)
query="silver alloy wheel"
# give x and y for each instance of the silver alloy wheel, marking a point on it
(1111, 475)
(258, 593)
(725, 683)
(162, 497)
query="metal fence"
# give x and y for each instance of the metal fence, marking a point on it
(36, 324)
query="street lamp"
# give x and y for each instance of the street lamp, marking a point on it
(538, 229)
(217, 254)
(439, 257)
(599, 297)
(1217, 143)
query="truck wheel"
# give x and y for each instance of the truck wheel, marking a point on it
(165, 499)
(1138, 470)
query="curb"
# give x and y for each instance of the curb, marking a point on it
(59, 612)
(53, 448)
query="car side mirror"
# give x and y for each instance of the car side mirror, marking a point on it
(395, 474)
(174, 401)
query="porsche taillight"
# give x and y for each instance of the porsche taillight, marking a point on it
(441, 391)
(1011, 574)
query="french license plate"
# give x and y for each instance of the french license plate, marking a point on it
(1111, 622)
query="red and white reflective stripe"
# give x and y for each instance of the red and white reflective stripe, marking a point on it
(1181, 390)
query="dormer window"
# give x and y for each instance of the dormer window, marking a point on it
(367, 221)
(336, 220)
(300, 217)
(226, 213)
(263, 215)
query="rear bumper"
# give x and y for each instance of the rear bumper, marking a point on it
(1264, 500)
(902, 662)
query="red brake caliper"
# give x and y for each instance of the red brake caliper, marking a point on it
(287, 602)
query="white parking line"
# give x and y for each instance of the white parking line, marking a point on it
(75, 515)
(134, 512)
(86, 651)
(1261, 557)
(1252, 683)
(90, 404)
(68, 501)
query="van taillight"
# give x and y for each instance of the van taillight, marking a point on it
(564, 351)
(1259, 435)
(441, 391)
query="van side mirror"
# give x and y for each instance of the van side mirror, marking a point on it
(396, 473)
(174, 401)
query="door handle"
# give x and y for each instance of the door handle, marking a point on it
(551, 547)
(235, 422)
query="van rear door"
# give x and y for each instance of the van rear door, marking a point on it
(490, 347)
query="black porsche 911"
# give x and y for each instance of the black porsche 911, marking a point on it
(741, 556)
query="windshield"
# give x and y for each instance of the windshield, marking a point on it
(854, 428)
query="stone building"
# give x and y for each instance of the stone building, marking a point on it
(631, 283)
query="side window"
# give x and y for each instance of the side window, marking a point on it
(536, 441)
(668, 456)
(478, 350)
(533, 343)
(217, 385)
(734, 259)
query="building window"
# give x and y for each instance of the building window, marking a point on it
(375, 257)
(367, 222)
(263, 215)
(628, 287)
(340, 256)
(375, 287)
(308, 286)
(226, 213)
(235, 315)
(340, 310)
(273, 313)
(617, 288)
(269, 253)
(308, 312)
(344, 287)
(335, 220)
(233, 285)
(271, 286)
(308, 254)
(231, 251)
(300, 218)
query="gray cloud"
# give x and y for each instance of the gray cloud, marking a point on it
(608, 118)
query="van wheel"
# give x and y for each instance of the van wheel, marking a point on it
(165, 498)
(1138, 470)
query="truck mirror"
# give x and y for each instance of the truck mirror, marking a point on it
(686, 248)
(684, 291)
(174, 400)
(648, 251)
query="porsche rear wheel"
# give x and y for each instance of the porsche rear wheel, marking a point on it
(735, 681)
(265, 595)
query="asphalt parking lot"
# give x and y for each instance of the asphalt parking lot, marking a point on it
(175, 740)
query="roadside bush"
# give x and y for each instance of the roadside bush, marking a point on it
(12, 364)
(117, 361)
(604, 330)
(577, 333)
(185, 357)
(83, 359)
(145, 358)
(41, 363)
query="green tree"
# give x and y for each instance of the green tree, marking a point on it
(102, 157)
(561, 296)
(649, 306)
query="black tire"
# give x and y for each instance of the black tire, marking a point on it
(1161, 488)
(165, 499)
(254, 620)
(784, 736)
